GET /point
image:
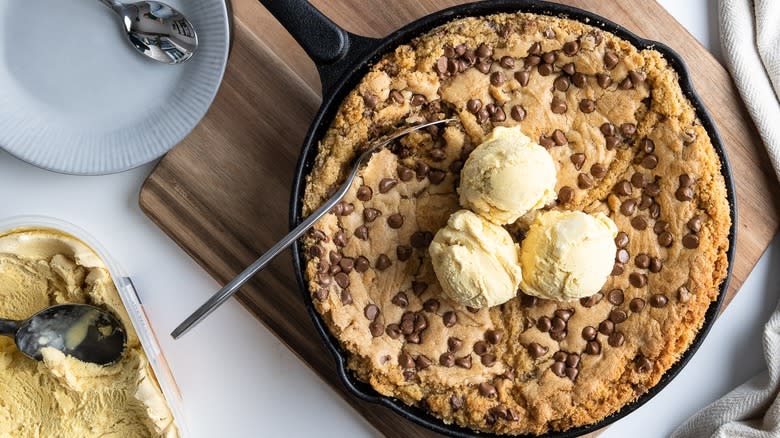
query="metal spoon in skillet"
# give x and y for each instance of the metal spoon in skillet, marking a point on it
(223, 294)
(85, 332)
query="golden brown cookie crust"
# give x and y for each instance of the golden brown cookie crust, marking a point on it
(626, 142)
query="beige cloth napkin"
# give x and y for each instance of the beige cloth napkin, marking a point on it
(750, 35)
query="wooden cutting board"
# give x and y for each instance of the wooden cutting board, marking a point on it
(223, 193)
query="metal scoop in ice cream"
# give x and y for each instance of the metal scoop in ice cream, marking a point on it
(82, 331)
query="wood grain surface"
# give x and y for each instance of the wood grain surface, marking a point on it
(223, 193)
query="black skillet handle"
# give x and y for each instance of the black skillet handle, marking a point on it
(333, 49)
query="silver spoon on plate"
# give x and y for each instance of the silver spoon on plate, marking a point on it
(85, 332)
(156, 30)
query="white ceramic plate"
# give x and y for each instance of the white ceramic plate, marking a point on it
(76, 98)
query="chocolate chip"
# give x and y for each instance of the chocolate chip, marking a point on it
(498, 115)
(683, 294)
(587, 106)
(639, 222)
(482, 116)
(603, 80)
(612, 141)
(447, 360)
(318, 234)
(591, 300)
(610, 60)
(536, 351)
(361, 232)
(315, 251)
(396, 96)
(441, 64)
(617, 269)
(584, 181)
(628, 207)
(645, 202)
(386, 184)
(382, 262)
(650, 161)
(342, 280)
(517, 113)
(549, 33)
(558, 325)
(623, 188)
(593, 348)
(488, 360)
(636, 305)
(421, 169)
(494, 336)
(464, 362)
(507, 62)
(572, 360)
(690, 241)
(647, 146)
(636, 77)
(418, 287)
(589, 333)
(658, 300)
(558, 106)
(565, 195)
(570, 48)
(637, 280)
(528, 300)
(642, 261)
(393, 331)
(621, 240)
(546, 70)
(361, 264)
(497, 78)
(421, 239)
(656, 265)
(483, 66)
(578, 160)
(417, 100)
(615, 296)
(569, 69)
(522, 77)
(400, 299)
(608, 129)
(422, 362)
(643, 364)
(560, 356)
(561, 83)
(376, 328)
(405, 174)
(694, 224)
(340, 239)
(617, 316)
(571, 373)
(456, 402)
(454, 344)
(550, 57)
(626, 84)
(484, 51)
(628, 129)
(322, 294)
(371, 311)
(559, 137)
(544, 324)
(395, 220)
(684, 194)
(474, 105)
(606, 327)
(364, 193)
(370, 214)
(558, 368)
(420, 322)
(450, 318)
(405, 360)
(403, 252)
(456, 166)
(546, 142)
(616, 339)
(579, 80)
(431, 305)
(480, 347)
(370, 100)
(622, 256)
(487, 390)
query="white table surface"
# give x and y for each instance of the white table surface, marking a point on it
(238, 380)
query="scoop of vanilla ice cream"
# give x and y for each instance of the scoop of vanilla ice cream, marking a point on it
(475, 261)
(567, 254)
(506, 176)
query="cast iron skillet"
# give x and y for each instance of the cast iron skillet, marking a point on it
(343, 58)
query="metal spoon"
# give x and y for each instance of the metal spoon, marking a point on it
(85, 332)
(223, 294)
(157, 30)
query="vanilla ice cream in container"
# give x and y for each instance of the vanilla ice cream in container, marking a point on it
(44, 262)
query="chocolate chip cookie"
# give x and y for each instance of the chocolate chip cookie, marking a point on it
(626, 142)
